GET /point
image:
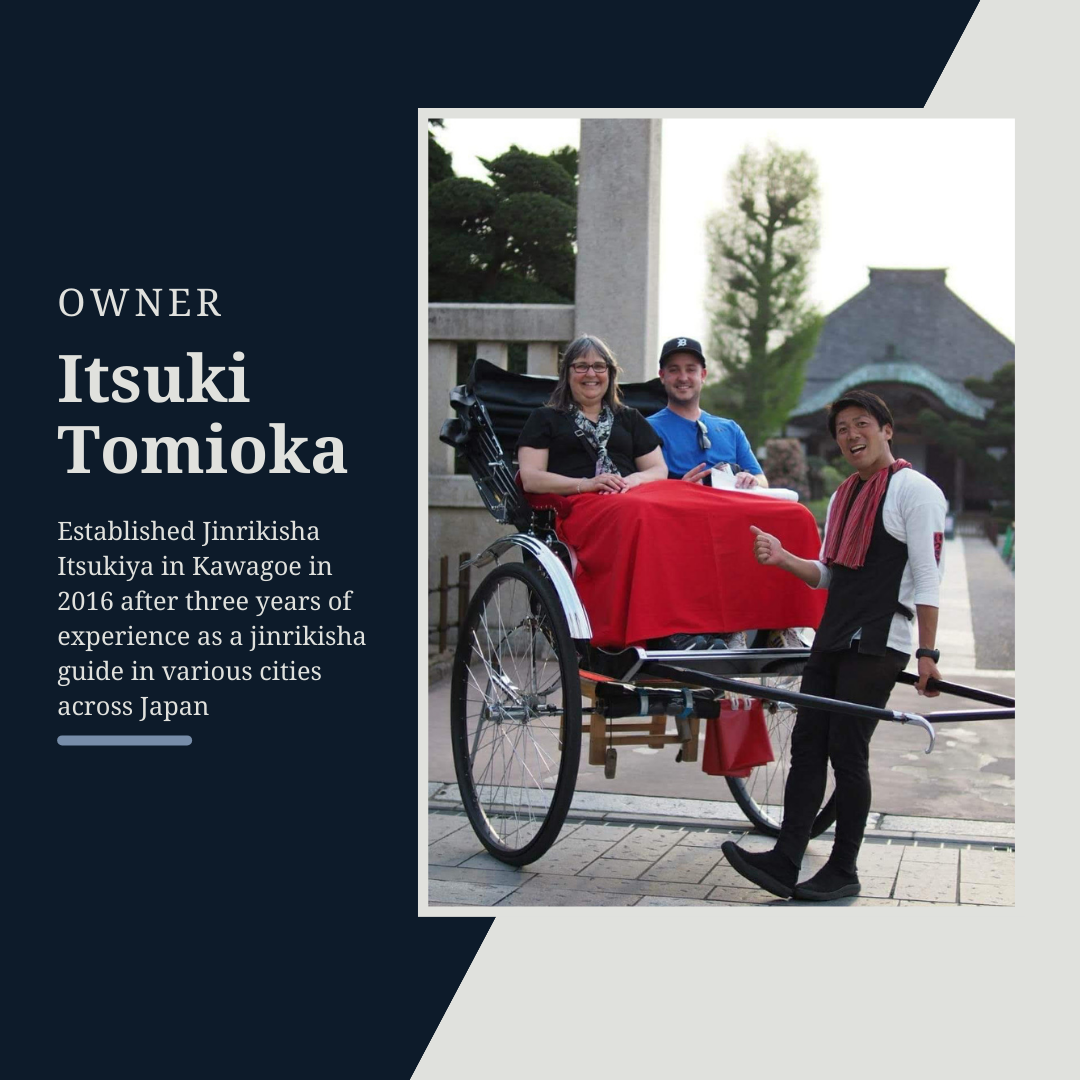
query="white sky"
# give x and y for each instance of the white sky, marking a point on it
(913, 193)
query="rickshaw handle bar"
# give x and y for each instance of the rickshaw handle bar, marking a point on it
(964, 715)
(911, 679)
(772, 693)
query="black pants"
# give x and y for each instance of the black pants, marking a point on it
(821, 737)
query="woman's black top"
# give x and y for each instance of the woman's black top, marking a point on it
(548, 429)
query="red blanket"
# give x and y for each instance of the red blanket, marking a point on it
(673, 558)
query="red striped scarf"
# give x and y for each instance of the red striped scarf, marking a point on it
(849, 540)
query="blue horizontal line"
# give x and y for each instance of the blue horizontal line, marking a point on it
(124, 740)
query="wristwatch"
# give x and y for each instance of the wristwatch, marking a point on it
(934, 654)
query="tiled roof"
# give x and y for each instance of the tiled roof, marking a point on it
(904, 317)
(957, 397)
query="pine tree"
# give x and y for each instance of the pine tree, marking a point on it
(764, 330)
(987, 446)
(510, 240)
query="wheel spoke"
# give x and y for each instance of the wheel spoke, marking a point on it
(515, 750)
(514, 714)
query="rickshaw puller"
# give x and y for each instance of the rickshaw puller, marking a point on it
(881, 558)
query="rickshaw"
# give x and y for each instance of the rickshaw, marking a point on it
(527, 684)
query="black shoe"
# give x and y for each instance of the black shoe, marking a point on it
(686, 642)
(771, 870)
(829, 883)
(680, 642)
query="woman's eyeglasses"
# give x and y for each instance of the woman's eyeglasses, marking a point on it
(582, 368)
(703, 436)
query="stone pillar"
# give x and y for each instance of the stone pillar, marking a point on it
(442, 372)
(543, 358)
(495, 352)
(618, 236)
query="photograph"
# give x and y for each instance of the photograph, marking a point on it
(721, 534)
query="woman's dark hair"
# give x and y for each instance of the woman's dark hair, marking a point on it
(562, 398)
(860, 399)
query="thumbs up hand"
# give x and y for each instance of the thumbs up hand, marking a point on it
(767, 549)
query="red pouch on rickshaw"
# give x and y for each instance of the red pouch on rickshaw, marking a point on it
(737, 740)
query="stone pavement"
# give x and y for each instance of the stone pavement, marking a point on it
(606, 860)
(992, 587)
(975, 621)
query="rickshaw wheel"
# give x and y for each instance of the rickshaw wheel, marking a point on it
(515, 714)
(760, 796)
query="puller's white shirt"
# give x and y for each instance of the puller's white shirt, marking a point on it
(913, 513)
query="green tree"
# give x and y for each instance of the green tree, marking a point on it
(973, 440)
(440, 161)
(763, 329)
(510, 240)
(567, 157)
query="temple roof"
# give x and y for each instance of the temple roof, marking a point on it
(912, 325)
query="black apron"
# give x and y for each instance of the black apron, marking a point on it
(866, 598)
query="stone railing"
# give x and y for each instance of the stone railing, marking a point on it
(457, 518)
(543, 328)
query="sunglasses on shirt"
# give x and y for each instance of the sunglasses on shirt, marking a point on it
(704, 444)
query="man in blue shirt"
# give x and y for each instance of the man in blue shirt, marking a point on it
(693, 441)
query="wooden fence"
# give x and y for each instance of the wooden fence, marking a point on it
(463, 586)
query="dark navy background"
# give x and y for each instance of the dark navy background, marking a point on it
(248, 901)
(246, 904)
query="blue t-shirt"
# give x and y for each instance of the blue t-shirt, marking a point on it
(682, 450)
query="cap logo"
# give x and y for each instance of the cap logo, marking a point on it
(682, 342)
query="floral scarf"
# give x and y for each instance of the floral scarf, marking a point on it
(596, 437)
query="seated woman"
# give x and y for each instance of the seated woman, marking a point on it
(654, 559)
